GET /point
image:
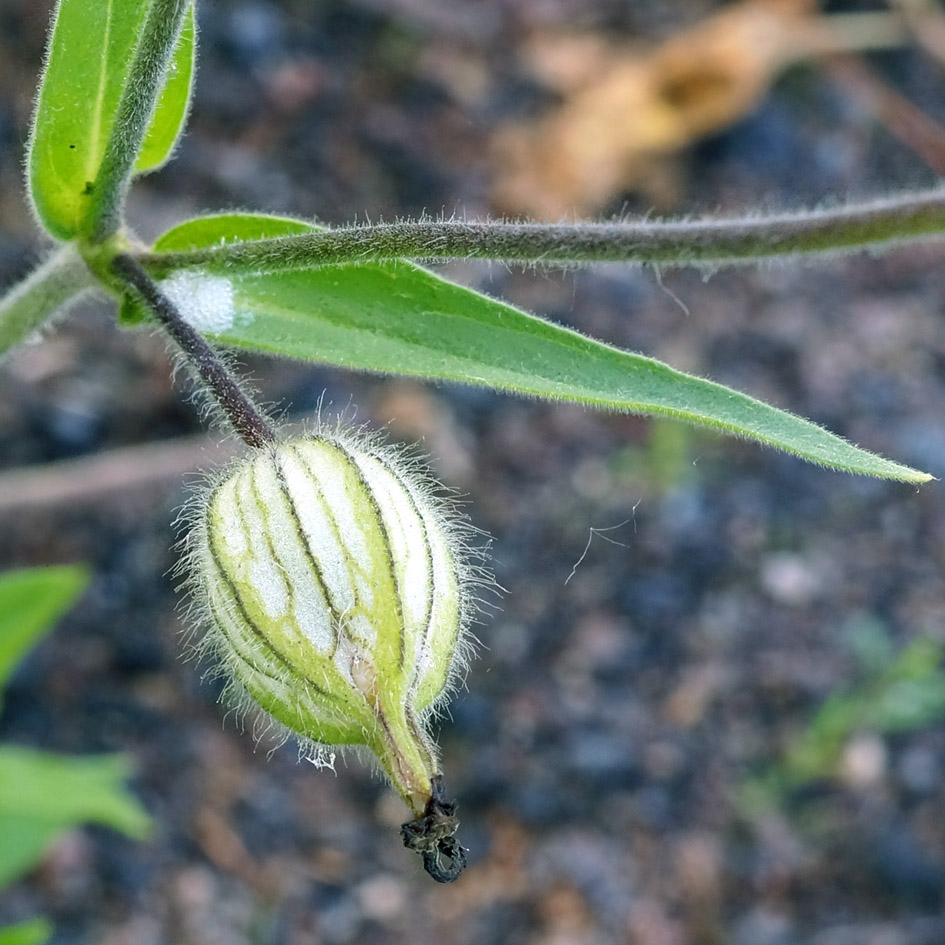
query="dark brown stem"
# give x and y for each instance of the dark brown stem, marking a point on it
(242, 414)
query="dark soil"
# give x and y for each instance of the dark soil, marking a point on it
(611, 718)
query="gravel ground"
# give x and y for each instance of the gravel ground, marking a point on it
(623, 696)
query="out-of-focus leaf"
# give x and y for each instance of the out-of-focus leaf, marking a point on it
(401, 319)
(42, 794)
(918, 660)
(31, 601)
(908, 704)
(31, 932)
(814, 754)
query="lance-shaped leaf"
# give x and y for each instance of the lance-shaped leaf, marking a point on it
(398, 318)
(91, 48)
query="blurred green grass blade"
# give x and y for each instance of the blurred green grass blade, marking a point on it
(908, 704)
(42, 794)
(31, 601)
(31, 932)
(90, 51)
(918, 660)
(816, 752)
(401, 319)
(910, 693)
(174, 103)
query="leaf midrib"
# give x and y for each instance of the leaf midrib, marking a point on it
(96, 151)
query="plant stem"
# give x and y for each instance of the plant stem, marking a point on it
(900, 219)
(48, 289)
(139, 97)
(245, 418)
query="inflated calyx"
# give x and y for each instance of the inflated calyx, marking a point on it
(337, 593)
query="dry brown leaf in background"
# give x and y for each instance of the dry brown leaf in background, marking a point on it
(625, 109)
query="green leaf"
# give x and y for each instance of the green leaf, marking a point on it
(42, 794)
(90, 51)
(174, 103)
(31, 601)
(31, 932)
(401, 319)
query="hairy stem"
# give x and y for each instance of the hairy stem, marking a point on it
(242, 413)
(900, 219)
(43, 293)
(139, 97)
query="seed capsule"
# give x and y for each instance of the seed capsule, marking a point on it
(337, 594)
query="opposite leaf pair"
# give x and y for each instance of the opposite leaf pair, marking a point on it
(112, 104)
